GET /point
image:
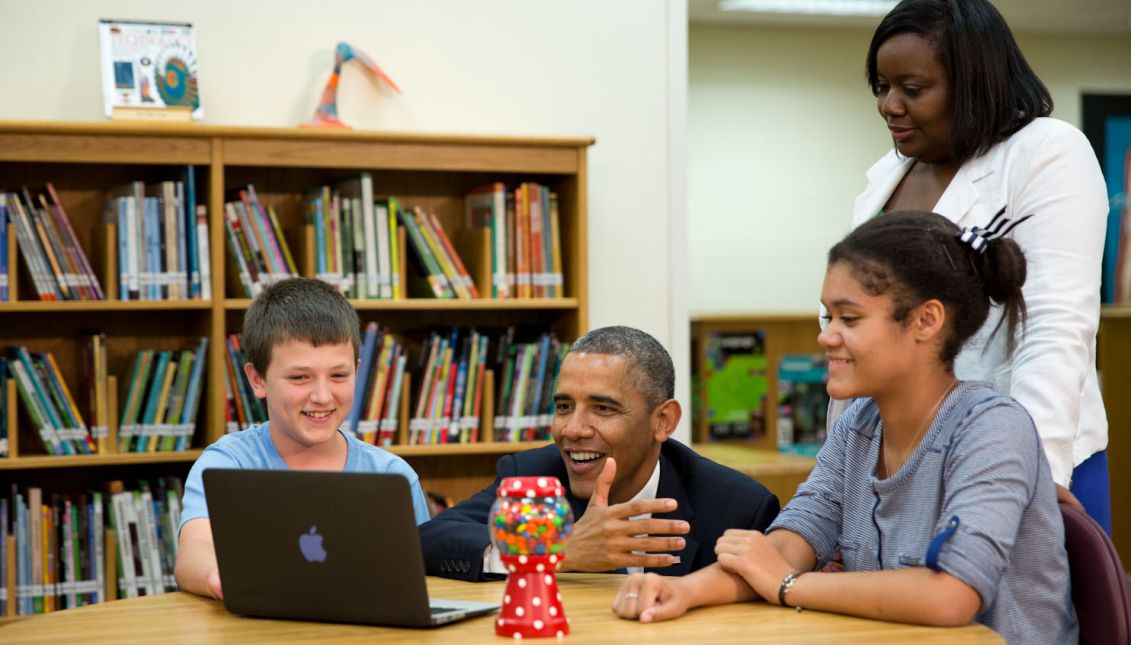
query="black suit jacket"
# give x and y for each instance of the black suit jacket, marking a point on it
(712, 498)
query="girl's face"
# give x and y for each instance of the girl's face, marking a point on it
(914, 97)
(869, 353)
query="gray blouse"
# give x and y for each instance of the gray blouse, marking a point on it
(975, 499)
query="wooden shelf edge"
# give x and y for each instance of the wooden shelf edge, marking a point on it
(426, 304)
(37, 306)
(1115, 311)
(483, 448)
(51, 461)
(104, 128)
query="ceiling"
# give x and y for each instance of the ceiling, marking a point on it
(1027, 16)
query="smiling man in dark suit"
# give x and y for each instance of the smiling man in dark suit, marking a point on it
(642, 501)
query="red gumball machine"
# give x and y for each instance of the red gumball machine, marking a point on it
(530, 521)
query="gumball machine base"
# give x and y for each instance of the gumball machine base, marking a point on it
(532, 606)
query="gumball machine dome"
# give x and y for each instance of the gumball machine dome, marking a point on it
(530, 521)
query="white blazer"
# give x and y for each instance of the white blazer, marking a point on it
(1047, 169)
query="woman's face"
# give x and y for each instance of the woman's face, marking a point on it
(869, 353)
(914, 97)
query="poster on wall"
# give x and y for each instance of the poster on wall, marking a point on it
(149, 65)
(1107, 124)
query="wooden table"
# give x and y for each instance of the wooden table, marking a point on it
(183, 618)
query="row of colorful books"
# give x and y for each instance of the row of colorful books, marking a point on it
(162, 240)
(48, 247)
(450, 398)
(256, 243)
(48, 403)
(526, 255)
(356, 237)
(242, 409)
(162, 399)
(526, 391)
(375, 414)
(356, 244)
(60, 547)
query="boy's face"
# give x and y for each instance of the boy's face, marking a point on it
(309, 391)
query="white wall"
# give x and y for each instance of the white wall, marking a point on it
(781, 130)
(586, 67)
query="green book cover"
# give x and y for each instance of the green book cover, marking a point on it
(734, 385)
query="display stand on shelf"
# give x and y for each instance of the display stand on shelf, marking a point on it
(779, 335)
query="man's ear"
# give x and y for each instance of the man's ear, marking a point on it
(257, 383)
(665, 418)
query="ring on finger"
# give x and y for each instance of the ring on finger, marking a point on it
(631, 596)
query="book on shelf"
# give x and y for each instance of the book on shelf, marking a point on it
(4, 221)
(525, 403)
(3, 419)
(52, 255)
(162, 251)
(375, 415)
(444, 388)
(256, 243)
(426, 261)
(149, 69)
(98, 395)
(803, 403)
(59, 544)
(486, 208)
(48, 403)
(159, 410)
(734, 385)
(244, 409)
(525, 238)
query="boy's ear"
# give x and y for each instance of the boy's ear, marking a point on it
(930, 320)
(258, 385)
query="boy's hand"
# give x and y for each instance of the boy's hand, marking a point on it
(751, 555)
(649, 597)
(213, 582)
(604, 538)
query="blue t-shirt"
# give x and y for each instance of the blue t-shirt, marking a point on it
(253, 449)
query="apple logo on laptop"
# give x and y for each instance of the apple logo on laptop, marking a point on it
(311, 546)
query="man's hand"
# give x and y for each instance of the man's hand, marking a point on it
(750, 554)
(649, 597)
(605, 538)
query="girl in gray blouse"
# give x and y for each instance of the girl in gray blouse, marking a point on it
(936, 493)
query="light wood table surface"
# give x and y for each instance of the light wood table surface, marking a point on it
(179, 617)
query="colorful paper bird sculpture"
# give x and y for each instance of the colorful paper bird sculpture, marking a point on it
(326, 116)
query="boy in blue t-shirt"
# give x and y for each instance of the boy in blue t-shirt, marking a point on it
(302, 339)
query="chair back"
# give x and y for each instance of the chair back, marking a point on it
(1099, 583)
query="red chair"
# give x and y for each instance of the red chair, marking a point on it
(1099, 584)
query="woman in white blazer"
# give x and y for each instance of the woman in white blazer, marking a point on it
(968, 118)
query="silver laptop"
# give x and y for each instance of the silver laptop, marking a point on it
(325, 546)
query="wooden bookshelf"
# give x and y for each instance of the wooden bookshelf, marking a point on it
(785, 333)
(797, 333)
(85, 160)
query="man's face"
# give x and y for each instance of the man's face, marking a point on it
(309, 392)
(598, 413)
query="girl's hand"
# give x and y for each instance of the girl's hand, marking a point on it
(751, 555)
(649, 597)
